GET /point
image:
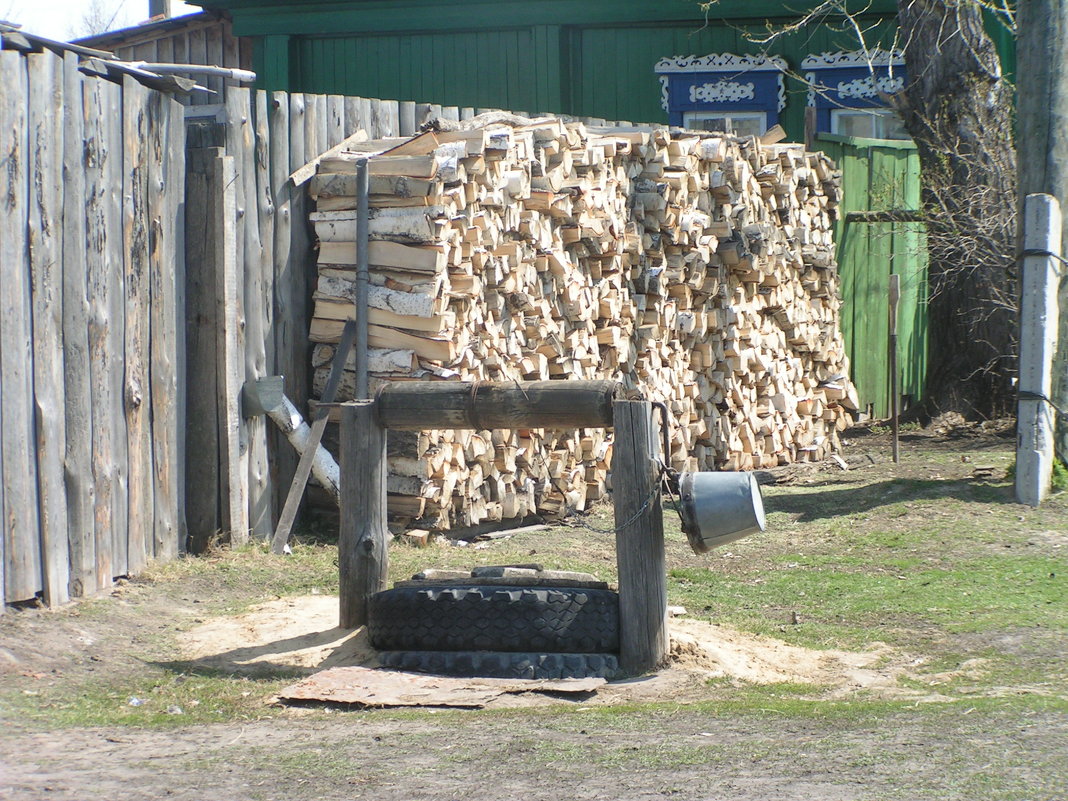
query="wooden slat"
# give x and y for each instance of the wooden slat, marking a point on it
(231, 46)
(335, 120)
(116, 329)
(252, 432)
(281, 275)
(78, 396)
(46, 273)
(259, 291)
(20, 517)
(203, 478)
(230, 345)
(292, 289)
(98, 222)
(353, 122)
(197, 50)
(213, 41)
(137, 388)
(165, 183)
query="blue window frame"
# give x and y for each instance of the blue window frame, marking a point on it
(847, 90)
(719, 84)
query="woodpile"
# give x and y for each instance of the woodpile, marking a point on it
(695, 269)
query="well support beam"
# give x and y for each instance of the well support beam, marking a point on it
(640, 558)
(363, 558)
(418, 405)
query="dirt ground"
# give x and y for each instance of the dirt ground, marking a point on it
(873, 734)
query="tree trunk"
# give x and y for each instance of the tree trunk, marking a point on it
(958, 109)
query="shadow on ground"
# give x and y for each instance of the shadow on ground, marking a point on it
(823, 503)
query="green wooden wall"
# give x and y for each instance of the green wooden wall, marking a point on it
(879, 175)
(593, 71)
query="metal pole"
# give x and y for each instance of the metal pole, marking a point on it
(363, 280)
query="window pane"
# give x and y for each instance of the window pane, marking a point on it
(748, 126)
(874, 124)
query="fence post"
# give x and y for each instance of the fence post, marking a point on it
(643, 639)
(363, 558)
(1038, 336)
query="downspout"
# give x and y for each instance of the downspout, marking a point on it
(363, 280)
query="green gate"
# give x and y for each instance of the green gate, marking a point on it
(880, 175)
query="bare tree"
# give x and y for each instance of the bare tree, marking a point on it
(97, 17)
(957, 107)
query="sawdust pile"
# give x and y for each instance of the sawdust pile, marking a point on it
(301, 634)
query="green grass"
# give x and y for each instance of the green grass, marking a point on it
(160, 699)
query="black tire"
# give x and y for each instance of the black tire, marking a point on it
(482, 618)
(501, 665)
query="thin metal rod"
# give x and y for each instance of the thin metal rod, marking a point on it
(363, 281)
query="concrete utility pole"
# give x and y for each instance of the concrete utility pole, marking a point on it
(1042, 145)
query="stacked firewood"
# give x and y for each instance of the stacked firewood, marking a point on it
(695, 269)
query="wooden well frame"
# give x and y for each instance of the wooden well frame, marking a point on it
(363, 557)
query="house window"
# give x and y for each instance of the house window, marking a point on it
(739, 123)
(848, 91)
(867, 124)
(723, 91)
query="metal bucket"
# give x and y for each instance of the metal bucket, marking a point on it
(718, 508)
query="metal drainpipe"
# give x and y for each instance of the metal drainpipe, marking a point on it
(363, 280)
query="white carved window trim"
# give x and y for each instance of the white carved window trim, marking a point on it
(860, 88)
(721, 62)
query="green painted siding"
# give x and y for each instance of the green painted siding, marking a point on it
(466, 68)
(604, 71)
(880, 176)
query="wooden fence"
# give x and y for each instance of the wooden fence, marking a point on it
(96, 213)
(91, 261)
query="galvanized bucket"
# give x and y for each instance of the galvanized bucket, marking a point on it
(718, 508)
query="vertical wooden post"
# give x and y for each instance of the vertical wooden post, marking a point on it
(640, 554)
(363, 558)
(1038, 337)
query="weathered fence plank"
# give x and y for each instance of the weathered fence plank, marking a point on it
(98, 288)
(242, 146)
(259, 312)
(231, 347)
(45, 153)
(78, 459)
(335, 120)
(164, 183)
(203, 477)
(285, 460)
(19, 462)
(291, 286)
(352, 115)
(137, 388)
